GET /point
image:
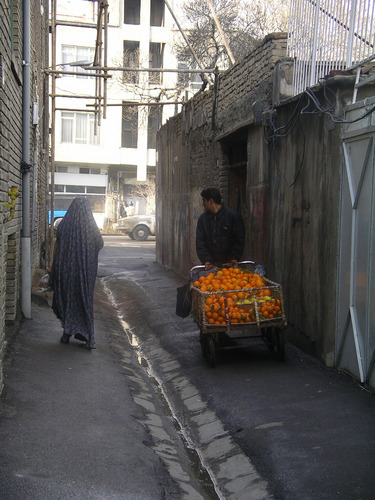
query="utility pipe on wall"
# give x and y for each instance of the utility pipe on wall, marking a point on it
(53, 135)
(25, 167)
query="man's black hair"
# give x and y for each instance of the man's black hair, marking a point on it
(213, 193)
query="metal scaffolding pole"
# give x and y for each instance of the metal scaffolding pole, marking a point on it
(199, 64)
(222, 34)
(150, 70)
(54, 73)
(105, 61)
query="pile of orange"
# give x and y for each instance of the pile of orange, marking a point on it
(226, 299)
(229, 278)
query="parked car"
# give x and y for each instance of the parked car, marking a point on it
(137, 227)
(56, 223)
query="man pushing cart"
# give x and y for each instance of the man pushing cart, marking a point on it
(231, 300)
(220, 235)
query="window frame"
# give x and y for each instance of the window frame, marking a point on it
(131, 60)
(91, 139)
(132, 12)
(154, 121)
(156, 60)
(73, 55)
(129, 127)
(157, 12)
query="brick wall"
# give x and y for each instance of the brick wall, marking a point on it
(39, 137)
(11, 46)
(10, 154)
(189, 152)
(287, 188)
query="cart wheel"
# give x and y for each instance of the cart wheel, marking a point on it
(204, 344)
(280, 343)
(211, 352)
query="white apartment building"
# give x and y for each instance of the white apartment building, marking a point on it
(105, 161)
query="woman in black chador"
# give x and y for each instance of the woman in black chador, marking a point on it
(74, 268)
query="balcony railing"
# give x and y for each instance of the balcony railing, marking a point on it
(327, 35)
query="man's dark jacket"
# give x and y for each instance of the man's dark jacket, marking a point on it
(220, 237)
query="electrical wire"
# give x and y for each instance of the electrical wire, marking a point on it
(307, 99)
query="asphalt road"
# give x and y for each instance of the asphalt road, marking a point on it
(79, 424)
(300, 430)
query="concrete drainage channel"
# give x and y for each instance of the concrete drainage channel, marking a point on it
(166, 437)
(221, 467)
(162, 443)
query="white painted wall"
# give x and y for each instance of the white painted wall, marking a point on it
(108, 151)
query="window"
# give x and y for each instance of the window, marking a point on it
(95, 190)
(154, 122)
(156, 61)
(78, 128)
(75, 54)
(192, 80)
(131, 60)
(132, 11)
(61, 169)
(157, 13)
(75, 189)
(97, 201)
(129, 136)
(88, 170)
(60, 188)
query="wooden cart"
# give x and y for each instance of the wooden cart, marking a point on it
(227, 316)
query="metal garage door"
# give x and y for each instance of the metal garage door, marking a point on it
(355, 336)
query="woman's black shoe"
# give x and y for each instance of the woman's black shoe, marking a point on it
(65, 338)
(80, 337)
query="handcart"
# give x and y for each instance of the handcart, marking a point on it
(227, 313)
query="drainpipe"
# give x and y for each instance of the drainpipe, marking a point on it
(25, 168)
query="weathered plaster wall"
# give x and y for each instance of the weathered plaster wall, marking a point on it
(290, 187)
(302, 228)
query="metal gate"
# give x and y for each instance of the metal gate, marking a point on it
(355, 336)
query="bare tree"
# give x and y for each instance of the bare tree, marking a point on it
(244, 23)
(141, 89)
(145, 191)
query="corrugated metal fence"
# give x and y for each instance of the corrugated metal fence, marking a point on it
(326, 35)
